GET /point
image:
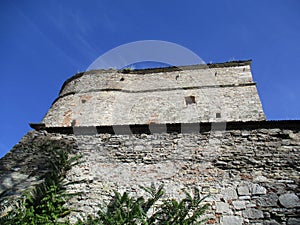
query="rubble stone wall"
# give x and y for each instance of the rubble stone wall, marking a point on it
(252, 176)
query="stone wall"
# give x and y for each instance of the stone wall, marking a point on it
(252, 175)
(187, 133)
(26, 164)
(179, 95)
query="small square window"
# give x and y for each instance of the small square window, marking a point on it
(190, 100)
(218, 115)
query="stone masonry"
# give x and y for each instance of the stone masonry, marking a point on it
(195, 126)
(217, 92)
(252, 176)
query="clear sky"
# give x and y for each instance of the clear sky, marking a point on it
(44, 42)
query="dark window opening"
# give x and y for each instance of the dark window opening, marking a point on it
(122, 79)
(218, 115)
(190, 100)
(73, 123)
(83, 101)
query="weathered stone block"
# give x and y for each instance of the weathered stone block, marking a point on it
(289, 200)
(293, 221)
(268, 200)
(270, 222)
(243, 190)
(222, 207)
(229, 194)
(258, 190)
(252, 213)
(246, 197)
(239, 204)
(231, 220)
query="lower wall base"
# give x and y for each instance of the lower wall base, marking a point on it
(252, 176)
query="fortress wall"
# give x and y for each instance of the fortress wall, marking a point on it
(101, 98)
(237, 103)
(251, 170)
(252, 175)
(98, 80)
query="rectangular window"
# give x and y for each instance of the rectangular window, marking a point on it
(190, 100)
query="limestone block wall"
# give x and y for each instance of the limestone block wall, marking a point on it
(181, 95)
(252, 175)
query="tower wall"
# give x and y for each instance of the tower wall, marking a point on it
(175, 95)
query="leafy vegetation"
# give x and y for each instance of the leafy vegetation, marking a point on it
(127, 210)
(44, 204)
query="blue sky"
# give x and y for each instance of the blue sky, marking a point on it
(45, 42)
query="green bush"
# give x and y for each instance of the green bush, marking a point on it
(127, 210)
